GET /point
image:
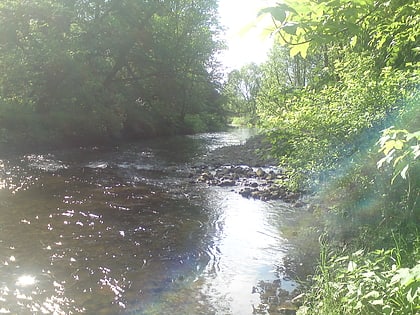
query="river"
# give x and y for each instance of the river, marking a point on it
(122, 230)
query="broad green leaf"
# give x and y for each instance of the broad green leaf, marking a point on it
(372, 294)
(399, 144)
(389, 146)
(387, 310)
(416, 151)
(278, 12)
(304, 49)
(413, 135)
(398, 159)
(382, 161)
(290, 28)
(301, 49)
(411, 296)
(294, 50)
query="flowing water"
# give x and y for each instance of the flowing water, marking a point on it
(123, 230)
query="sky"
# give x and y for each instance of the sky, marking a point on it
(245, 44)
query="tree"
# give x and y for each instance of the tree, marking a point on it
(105, 69)
(242, 89)
(364, 75)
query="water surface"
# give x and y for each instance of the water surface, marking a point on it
(124, 230)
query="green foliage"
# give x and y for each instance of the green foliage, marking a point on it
(390, 28)
(352, 81)
(401, 148)
(364, 283)
(315, 128)
(241, 91)
(194, 123)
(361, 74)
(100, 70)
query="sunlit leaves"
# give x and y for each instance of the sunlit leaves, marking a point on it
(315, 22)
(401, 149)
(301, 49)
(370, 283)
(389, 27)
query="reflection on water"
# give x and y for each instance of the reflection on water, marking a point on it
(123, 230)
(247, 249)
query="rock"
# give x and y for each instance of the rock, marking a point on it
(238, 170)
(235, 176)
(260, 172)
(227, 182)
(256, 194)
(287, 308)
(250, 173)
(207, 176)
(271, 176)
(286, 311)
(299, 204)
(247, 169)
(246, 192)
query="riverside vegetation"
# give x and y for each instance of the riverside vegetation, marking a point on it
(339, 100)
(82, 72)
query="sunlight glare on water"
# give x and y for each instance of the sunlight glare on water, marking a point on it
(25, 280)
(246, 253)
(119, 231)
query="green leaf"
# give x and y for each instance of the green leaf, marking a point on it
(301, 49)
(404, 172)
(304, 49)
(351, 266)
(353, 41)
(278, 12)
(411, 296)
(413, 135)
(294, 51)
(398, 159)
(389, 146)
(387, 310)
(399, 144)
(290, 29)
(416, 151)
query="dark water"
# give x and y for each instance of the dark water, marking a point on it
(125, 231)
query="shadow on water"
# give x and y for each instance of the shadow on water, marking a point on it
(125, 231)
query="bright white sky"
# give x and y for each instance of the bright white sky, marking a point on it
(245, 44)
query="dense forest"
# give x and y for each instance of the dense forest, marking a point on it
(74, 72)
(338, 99)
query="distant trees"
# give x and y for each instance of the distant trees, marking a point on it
(94, 70)
(241, 90)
